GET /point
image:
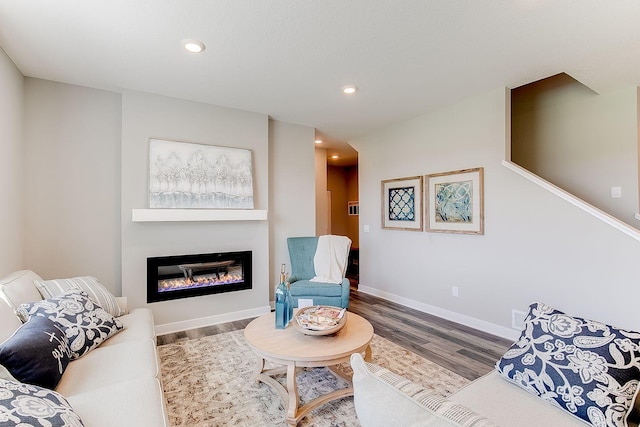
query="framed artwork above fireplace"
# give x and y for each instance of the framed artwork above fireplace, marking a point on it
(185, 175)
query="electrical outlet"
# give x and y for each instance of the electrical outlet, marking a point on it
(454, 291)
(517, 319)
(616, 192)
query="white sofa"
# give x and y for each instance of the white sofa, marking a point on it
(115, 384)
(492, 400)
(561, 371)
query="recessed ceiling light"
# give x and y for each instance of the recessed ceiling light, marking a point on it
(318, 141)
(193, 46)
(349, 90)
(335, 157)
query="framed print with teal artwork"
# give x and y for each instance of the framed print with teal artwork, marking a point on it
(402, 204)
(455, 201)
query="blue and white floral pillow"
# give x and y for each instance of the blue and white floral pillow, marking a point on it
(29, 405)
(588, 368)
(85, 323)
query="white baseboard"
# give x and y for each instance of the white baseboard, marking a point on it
(469, 321)
(201, 322)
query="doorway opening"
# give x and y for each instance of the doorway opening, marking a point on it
(337, 201)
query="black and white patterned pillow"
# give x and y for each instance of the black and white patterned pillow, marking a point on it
(37, 353)
(85, 323)
(590, 369)
(29, 405)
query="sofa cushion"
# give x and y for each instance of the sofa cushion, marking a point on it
(110, 365)
(9, 321)
(138, 326)
(29, 405)
(137, 402)
(507, 405)
(382, 398)
(590, 369)
(18, 288)
(89, 284)
(86, 324)
(37, 353)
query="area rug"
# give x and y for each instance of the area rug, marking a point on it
(210, 382)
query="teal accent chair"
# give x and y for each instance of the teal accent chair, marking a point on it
(301, 253)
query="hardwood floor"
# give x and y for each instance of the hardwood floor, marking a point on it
(463, 350)
(466, 351)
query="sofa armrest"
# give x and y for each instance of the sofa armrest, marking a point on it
(122, 303)
(18, 288)
(382, 398)
(9, 322)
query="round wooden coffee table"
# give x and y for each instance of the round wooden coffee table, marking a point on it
(292, 349)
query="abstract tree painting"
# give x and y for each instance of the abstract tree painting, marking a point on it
(199, 176)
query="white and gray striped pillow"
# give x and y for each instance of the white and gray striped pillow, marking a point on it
(90, 285)
(455, 412)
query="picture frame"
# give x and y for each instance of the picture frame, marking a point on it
(402, 200)
(455, 201)
(353, 208)
(185, 175)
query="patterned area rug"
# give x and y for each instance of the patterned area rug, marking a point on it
(210, 382)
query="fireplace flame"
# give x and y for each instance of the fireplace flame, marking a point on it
(198, 282)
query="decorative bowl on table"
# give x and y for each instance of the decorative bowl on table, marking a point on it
(320, 319)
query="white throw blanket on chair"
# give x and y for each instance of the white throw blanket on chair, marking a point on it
(330, 260)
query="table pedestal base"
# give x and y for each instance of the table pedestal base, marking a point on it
(290, 396)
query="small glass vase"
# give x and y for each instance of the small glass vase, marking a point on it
(284, 302)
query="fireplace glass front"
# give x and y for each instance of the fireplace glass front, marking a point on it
(184, 276)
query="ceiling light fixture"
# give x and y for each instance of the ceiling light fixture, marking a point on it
(335, 156)
(193, 46)
(318, 141)
(349, 90)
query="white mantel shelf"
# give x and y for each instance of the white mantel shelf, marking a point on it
(177, 215)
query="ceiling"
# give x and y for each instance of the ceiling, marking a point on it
(290, 58)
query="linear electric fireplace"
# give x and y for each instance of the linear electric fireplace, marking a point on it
(184, 276)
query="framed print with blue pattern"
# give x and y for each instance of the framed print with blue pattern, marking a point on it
(455, 201)
(402, 203)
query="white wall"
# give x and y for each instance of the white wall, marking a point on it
(72, 170)
(147, 116)
(11, 173)
(580, 141)
(536, 247)
(291, 191)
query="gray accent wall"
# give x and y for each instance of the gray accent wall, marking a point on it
(72, 181)
(147, 116)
